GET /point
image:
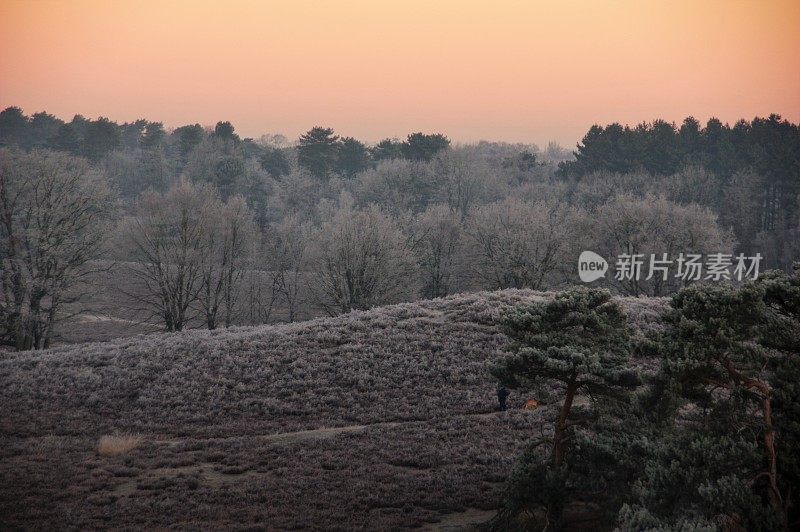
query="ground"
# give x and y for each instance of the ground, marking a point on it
(381, 419)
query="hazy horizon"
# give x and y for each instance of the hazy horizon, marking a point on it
(516, 72)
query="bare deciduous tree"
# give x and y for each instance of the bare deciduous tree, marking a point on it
(261, 292)
(654, 226)
(362, 260)
(171, 242)
(230, 246)
(289, 250)
(463, 179)
(397, 185)
(521, 245)
(53, 211)
(437, 235)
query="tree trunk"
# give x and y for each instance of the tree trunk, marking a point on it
(554, 512)
(559, 437)
(775, 498)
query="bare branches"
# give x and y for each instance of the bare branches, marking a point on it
(362, 260)
(520, 245)
(53, 214)
(192, 251)
(169, 237)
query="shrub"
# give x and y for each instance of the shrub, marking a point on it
(117, 445)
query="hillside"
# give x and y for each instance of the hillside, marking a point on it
(229, 423)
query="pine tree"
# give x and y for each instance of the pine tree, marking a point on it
(727, 459)
(781, 332)
(713, 327)
(422, 147)
(317, 151)
(581, 340)
(352, 157)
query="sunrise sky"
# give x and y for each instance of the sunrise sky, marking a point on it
(527, 71)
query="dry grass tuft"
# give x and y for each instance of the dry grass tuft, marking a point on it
(117, 445)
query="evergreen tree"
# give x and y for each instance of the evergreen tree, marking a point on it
(421, 147)
(352, 157)
(225, 131)
(227, 173)
(387, 149)
(580, 340)
(153, 135)
(130, 133)
(67, 139)
(274, 161)
(728, 457)
(691, 142)
(43, 128)
(100, 137)
(317, 151)
(188, 138)
(781, 332)
(13, 126)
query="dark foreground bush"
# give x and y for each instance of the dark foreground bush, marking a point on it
(710, 443)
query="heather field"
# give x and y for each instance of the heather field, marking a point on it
(382, 419)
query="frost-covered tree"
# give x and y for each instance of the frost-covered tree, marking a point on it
(170, 239)
(362, 259)
(463, 179)
(782, 333)
(289, 250)
(654, 226)
(132, 172)
(782, 297)
(231, 235)
(53, 220)
(397, 185)
(437, 236)
(728, 458)
(713, 329)
(579, 340)
(516, 244)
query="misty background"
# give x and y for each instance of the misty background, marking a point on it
(121, 228)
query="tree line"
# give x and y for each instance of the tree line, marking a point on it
(767, 147)
(219, 230)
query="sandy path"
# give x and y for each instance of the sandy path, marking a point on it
(321, 433)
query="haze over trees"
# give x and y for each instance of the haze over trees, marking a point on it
(457, 217)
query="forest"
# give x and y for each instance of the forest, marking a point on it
(209, 229)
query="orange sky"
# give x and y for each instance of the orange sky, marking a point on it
(525, 71)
